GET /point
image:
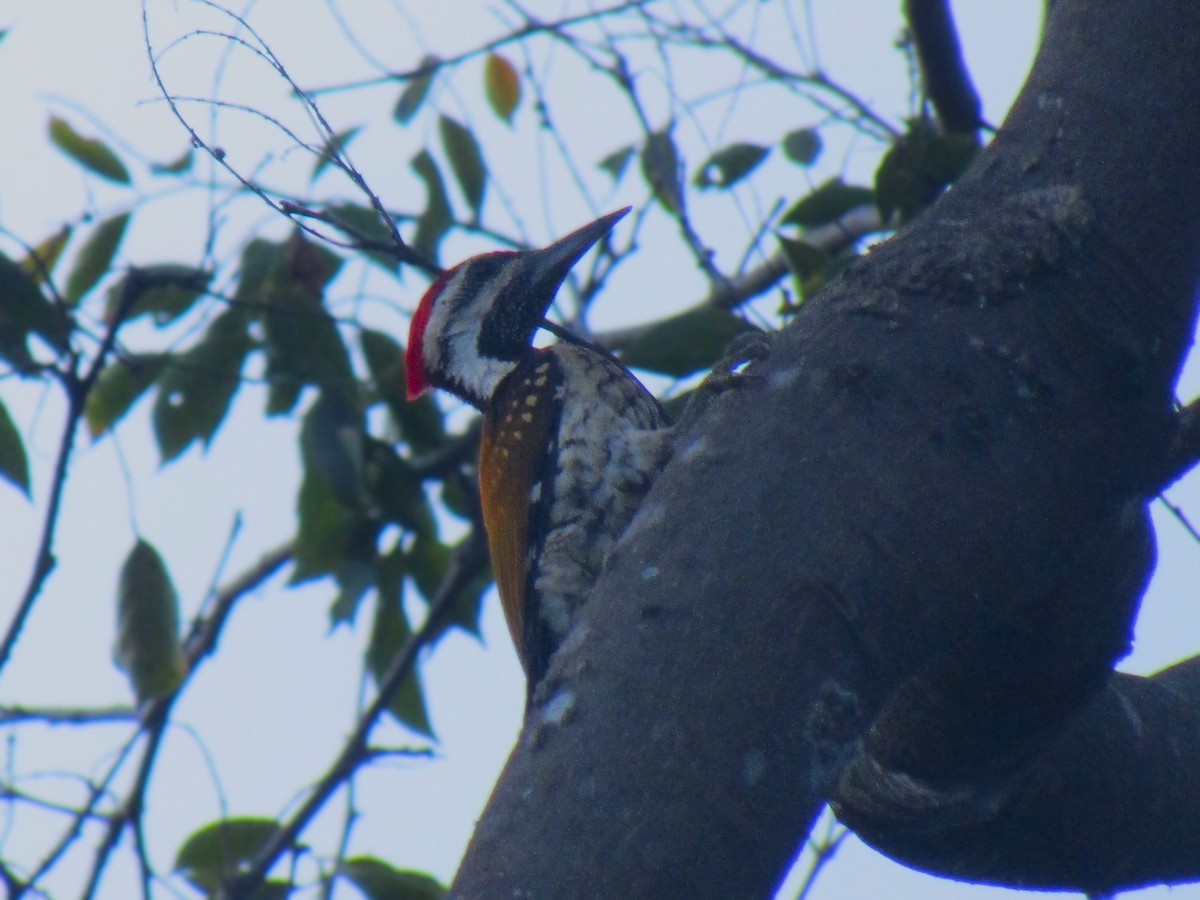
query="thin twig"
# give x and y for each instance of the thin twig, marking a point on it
(823, 852)
(201, 641)
(86, 813)
(832, 238)
(77, 390)
(468, 560)
(13, 715)
(432, 65)
(1180, 517)
(131, 810)
(332, 150)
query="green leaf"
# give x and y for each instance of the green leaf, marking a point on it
(456, 499)
(731, 165)
(385, 363)
(663, 170)
(420, 421)
(827, 204)
(466, 607)
(427, 561)
(221, 850)
(390, 571)
(165, 292)
(437, 218)
(44, 257)
(332, 444)
(332, 150)
(466, 160)
(302, 341)
(396, 490)
(502, 85)
(322, 533)
(177, 166)
(802, 146)
(616, 162)
(14, 465)
(197, 386)
(90, 153)
(364, 222)
(811, 267)
(95, 257)
(147, 648)
(119, 386)
(389, 632)
(686, 343)
(355, 577)
(25, 311)
(919, 167)
(414, 92)
(379, 881)
(804, 259)
(259, 259)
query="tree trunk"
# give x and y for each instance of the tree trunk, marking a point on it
(893, 567)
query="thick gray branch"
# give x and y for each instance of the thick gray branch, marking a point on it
(895, 567)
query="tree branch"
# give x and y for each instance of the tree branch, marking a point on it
(832, 238)
(896, 567)
(944, 72)
(200, 642)
(77, 389)
(469, 559)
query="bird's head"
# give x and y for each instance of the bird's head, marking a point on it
(478, 319)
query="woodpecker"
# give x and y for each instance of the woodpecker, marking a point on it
(571, 439)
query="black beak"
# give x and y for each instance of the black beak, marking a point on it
(548, 267)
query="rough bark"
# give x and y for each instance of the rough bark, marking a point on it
(895, 566)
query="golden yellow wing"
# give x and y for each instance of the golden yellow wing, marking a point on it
(516, 435)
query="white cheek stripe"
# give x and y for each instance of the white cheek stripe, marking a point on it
(451, 343)
(436, 327)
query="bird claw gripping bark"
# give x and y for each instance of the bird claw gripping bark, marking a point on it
(729, 373)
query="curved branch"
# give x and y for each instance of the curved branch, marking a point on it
(469, 559)
(944, 72)
(832, 238)
(77, 389)
(912, 543)
(199, 643)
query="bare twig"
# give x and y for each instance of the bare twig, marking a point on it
(85, 814)
(1184, 450)
(13, 715)
(832, 238)
(531, 27)
(333, 150)
(202, 638)
(469, 559)
(77, 389)
(1180, 517)
(201, 641)
(131, 810)
(823, 851)
(9, 794)
(816, 81)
